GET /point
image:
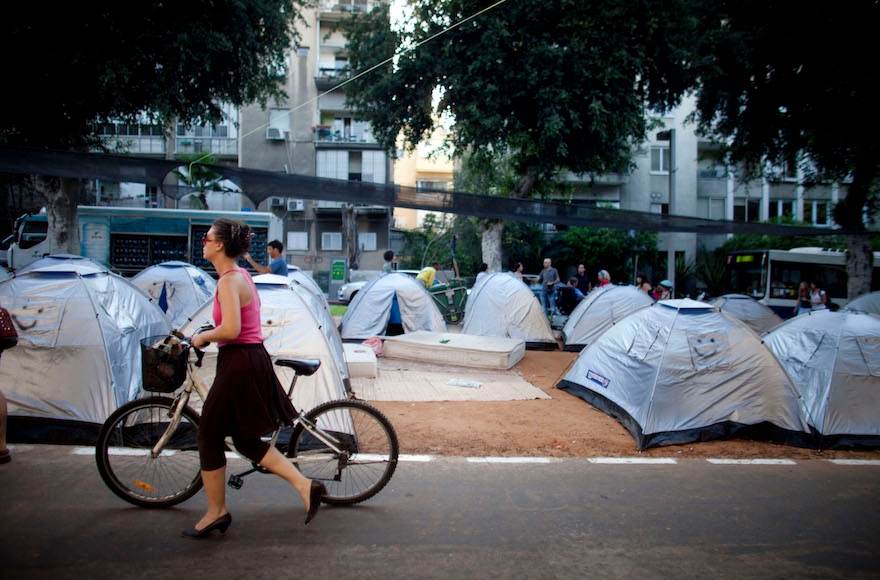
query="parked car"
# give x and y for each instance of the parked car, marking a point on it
(348, 291)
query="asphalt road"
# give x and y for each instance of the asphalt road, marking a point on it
(459, 518)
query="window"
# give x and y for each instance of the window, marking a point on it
(367, 241)
(298, 240)
(331, 241)
(747, 211)
(660, 159)
(279, 119)
(816, 212)
(434, 185)
(660, 208)
(781, 208)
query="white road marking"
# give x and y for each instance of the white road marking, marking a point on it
(752, 461)
(513, 460)
(509, 459)
(634, 460)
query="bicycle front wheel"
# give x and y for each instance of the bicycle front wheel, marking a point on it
(368, 450)
(124, 453)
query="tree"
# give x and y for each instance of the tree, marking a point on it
(201, 179)
(781, 84)
(551, 86)
(604, 249)
(79, 65)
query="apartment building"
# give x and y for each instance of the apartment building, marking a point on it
(314, 133)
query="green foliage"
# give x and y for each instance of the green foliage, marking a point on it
(604, 249)
(200, 178)
(770, 90)
(710, 271)
(78, 64)
(553, 85)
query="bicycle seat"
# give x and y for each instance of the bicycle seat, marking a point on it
(302, 366)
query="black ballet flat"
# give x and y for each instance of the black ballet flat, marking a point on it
(221, 523)
(317, 491)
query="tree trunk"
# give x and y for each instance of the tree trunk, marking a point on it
(491, 235)
(350, 247)
(492, 231)
(61, 196)
(859, 264)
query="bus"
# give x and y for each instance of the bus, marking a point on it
(772, 276)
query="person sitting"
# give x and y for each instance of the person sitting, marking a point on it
(604, 278)
(568, 297)
(663, 290)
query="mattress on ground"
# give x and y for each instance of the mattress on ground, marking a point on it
(361, 361)
(465, 350)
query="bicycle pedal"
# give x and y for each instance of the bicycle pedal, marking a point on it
(235, 482)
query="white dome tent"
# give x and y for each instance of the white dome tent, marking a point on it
(320, 310)
(58, 259)
(834, 360)
(869, 303)
(178, 288)
(303, 280)
(680, 371)
(598, 311)
(290, 329)
(369, 312)
(756, 316)
(78, 356)
(501, 305)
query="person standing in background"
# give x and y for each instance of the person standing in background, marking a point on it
(277, 265)
(389, 257)
(642, 283)
(818, 298)
(517, 271)
(484, 271)
(804, 306)
(604, 278)
(583, 281)
(549, 278)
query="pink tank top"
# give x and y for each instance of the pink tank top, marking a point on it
(251, 330)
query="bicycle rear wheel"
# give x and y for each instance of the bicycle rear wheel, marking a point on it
(124, 454)
(369, 450)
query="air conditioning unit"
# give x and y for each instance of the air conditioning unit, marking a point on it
(273, 134)
(276, 202)
(295, 205)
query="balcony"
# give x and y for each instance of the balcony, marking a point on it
(330, 78)
(339, 7)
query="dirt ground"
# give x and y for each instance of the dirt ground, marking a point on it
(563, 426)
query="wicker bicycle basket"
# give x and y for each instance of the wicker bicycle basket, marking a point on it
(163, 364)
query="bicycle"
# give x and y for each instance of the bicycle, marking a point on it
(147, 454)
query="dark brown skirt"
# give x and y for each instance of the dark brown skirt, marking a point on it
(246, 398)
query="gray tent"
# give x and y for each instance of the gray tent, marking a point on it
(834, 360)
(680, 371)
(78, 356)
(758, 317)
(58, 259)
(501, 305)
(869, 303)
(598, 311)
(369, 312)
(290, 329)
(177, 287)
(303, 280)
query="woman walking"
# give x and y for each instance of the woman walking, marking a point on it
(246, 400)
(803, 301)
(818, 298)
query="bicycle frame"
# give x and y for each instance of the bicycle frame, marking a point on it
(196, 381)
